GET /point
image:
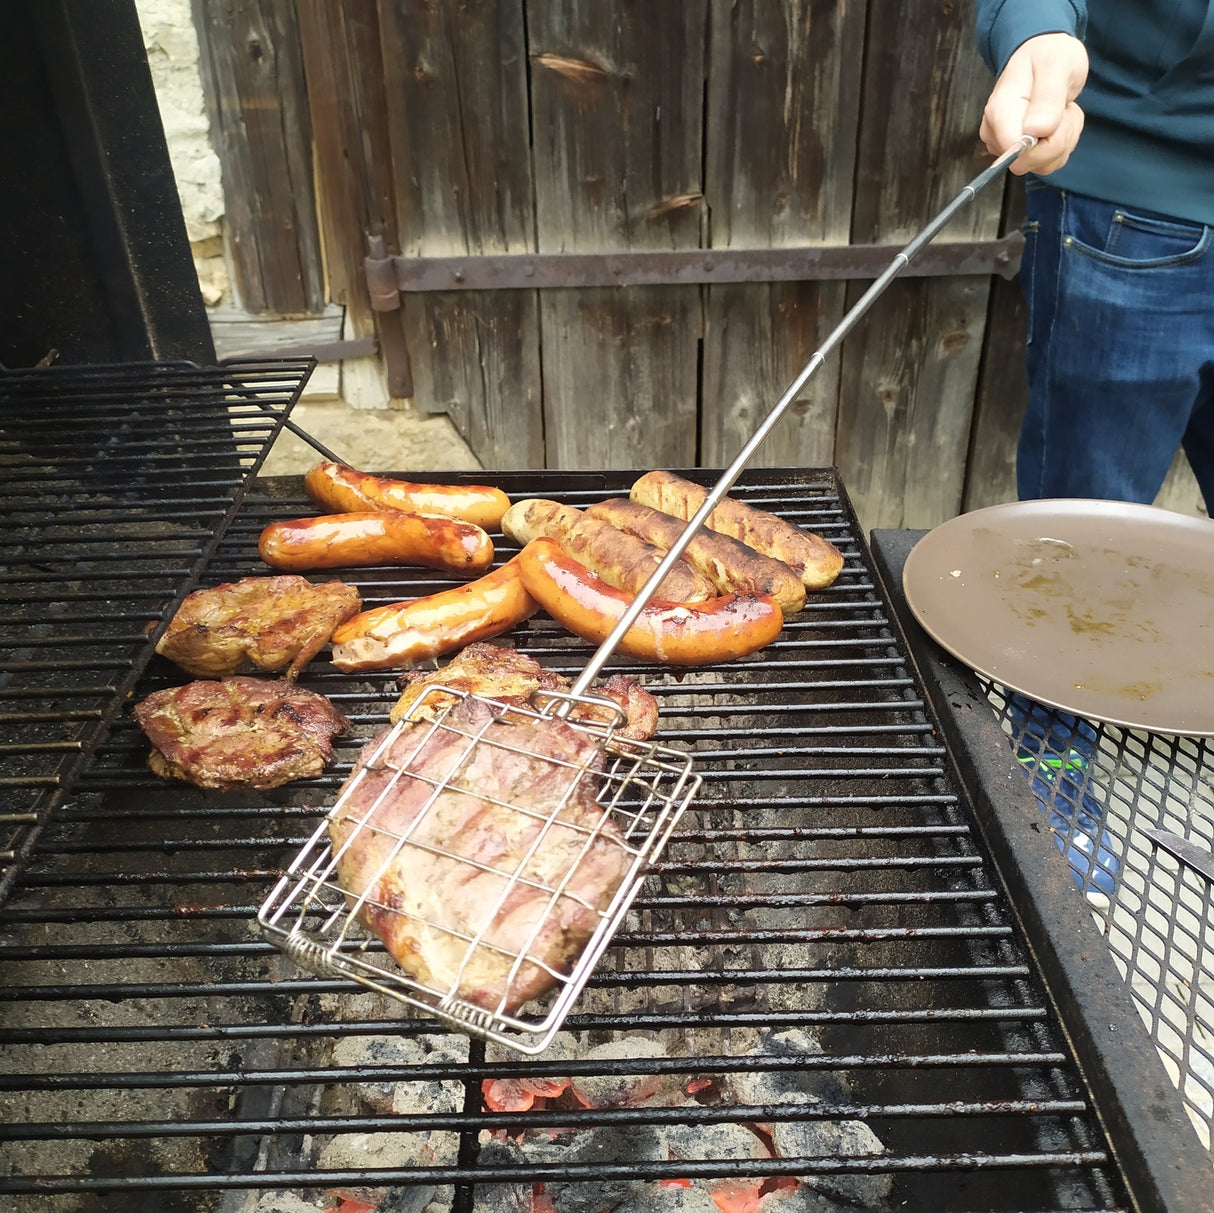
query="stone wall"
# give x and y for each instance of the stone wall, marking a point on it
(172, 47)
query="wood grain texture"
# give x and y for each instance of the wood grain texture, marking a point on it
(783, 103)
(347, 105)
(1001, 392)
(456, 88)
(908, 372)
(252, 69)
(999, 402)
(617, 112)
(547, 126)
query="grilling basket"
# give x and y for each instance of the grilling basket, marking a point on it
(500, 940)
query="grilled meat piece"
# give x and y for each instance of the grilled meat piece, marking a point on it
(263, 622)
(492, 887)
(505, 674)
(621, 559)
(239, 733)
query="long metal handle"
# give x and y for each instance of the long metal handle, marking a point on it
(726, 482)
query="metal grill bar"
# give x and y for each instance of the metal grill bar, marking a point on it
(825, 944)
(92, 465)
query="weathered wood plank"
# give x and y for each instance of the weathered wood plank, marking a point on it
(456, 87)
(349, 114)
(617, 112)
(783, 107)
(1001, 392)
(252, 70)
(909, 370)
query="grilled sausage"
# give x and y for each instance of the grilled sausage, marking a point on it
(620, 559)
(672, 633)
(815, 560)
(403, 634)
(338, 541)
(342, 489)
(728, 563)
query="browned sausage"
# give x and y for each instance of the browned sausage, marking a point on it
(672, 633)
(815, 560)
(339, 541)
(620, 559)
(727, 562)
(403, 634)
(334, 486)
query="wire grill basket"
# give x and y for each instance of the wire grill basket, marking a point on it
(526, 893)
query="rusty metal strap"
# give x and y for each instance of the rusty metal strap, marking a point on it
(531, 271)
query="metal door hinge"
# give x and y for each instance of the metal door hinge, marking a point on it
(390, 276)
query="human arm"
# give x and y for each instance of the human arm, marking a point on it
(1035, 48)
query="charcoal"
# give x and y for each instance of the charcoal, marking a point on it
(618, 1089)
(280, 1202)
(795, 1043)
(848, 1139)
(697, 1142)
(659, 1198)
(361, 1151)
(500, 1152)
(404, 1098)
(502, 1198)
(605, 1145)
(804, 1199)
(414, 1198)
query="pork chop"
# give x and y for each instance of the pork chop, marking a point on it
(490, 889)
(266, 623)
(508, 676)
(239, 733)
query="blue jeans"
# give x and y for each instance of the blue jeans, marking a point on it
(1120, 352)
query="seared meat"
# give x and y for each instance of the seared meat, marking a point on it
(239, 733)
(505, 674)
(639, 706)
(263, 622)
(495, 886)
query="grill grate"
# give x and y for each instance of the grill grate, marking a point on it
(118, 484)
(821, 990)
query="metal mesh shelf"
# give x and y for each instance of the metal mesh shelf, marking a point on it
(1100, 787)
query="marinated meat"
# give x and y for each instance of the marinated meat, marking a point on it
(510, 677)
(269, 623)
(239, 733)
(492, 888)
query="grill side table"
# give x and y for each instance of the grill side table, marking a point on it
(1127, 946)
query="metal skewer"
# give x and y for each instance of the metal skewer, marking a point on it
(901, 260)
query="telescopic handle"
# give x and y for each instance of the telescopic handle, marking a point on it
(901, 260)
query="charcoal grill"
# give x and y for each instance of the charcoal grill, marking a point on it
(826, 950)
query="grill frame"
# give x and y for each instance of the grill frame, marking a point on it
(900, 789)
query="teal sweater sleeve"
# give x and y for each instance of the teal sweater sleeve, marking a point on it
(1148, 135)
(1004, 24)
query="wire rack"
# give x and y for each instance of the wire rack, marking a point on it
(323, 912)
(119, 483)
(1100, 788)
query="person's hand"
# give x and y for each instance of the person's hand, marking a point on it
(1035, 95)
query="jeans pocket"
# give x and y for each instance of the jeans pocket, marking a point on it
(1136, 241)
